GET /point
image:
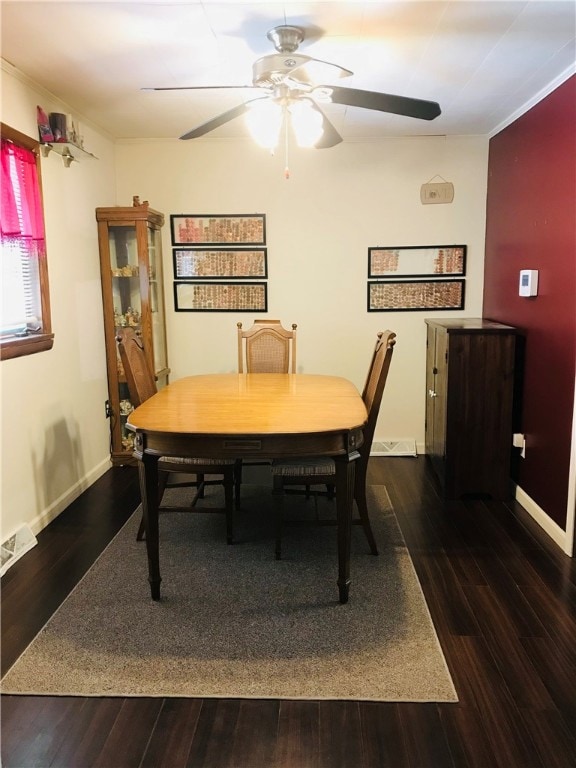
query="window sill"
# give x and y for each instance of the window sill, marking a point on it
(26, 345)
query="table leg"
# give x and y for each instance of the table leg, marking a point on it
(148, 474)
(344, 501)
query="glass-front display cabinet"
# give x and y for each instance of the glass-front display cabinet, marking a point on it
(133, 295)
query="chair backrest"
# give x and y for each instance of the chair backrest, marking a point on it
(267, 347)
(374, 387)
(139, 377)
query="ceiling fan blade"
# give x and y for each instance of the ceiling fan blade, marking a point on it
(216, 122)
(330, 136)
(199, 88)
(315, 71)
(383, 102)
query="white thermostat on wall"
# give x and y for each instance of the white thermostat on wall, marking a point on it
(528, 282)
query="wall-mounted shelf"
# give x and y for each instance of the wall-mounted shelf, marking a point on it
(69, 152)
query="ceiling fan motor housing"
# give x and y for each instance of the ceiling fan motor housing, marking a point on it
(273, 69)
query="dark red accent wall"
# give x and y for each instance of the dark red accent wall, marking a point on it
(531, 224)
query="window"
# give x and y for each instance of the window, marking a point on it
(25, 325)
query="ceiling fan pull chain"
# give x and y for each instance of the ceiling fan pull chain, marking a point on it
(286, 168)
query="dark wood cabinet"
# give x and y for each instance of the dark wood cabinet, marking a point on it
(469, 400)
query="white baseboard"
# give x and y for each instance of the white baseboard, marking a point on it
(59, 505)
(557, 534)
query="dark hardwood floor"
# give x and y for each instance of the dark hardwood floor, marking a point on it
(502, 598)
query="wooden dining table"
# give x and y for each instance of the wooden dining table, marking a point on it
(250, 416)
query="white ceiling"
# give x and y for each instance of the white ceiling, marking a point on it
(483, 61)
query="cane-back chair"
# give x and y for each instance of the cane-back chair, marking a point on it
(321, 471)
(141, 386)
(267, 347)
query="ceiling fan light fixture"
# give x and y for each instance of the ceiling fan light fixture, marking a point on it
(307, 123)
(264, 120)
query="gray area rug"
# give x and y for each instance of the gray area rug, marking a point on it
(234, 622)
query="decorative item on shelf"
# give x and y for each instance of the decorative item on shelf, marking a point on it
(60, 134)
(44, 130)
(73, 134)
(132, 317)
(58, 123)
(126, 271)
(129, 318)
(126, 407)
(128, 441)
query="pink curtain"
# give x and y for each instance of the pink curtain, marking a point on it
(21, 161)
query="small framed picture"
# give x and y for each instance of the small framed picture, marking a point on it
(220, 297)
(231, 263)
(417, 261)
(218, 229)
(414, 295)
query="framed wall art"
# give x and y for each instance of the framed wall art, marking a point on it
(218, 229)
(417, 261)
(220, 297)
(414, 295)
(234, 264)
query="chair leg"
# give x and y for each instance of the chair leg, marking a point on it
(229, 504)
(360, 498)
(140, 534)
(278, 493)
(237, 481)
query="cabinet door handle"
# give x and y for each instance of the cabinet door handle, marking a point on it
(431, 393)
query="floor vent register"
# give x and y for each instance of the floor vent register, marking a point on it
(394, 448)
(15, 546)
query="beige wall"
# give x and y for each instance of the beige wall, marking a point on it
(55, 438)
(320, 223)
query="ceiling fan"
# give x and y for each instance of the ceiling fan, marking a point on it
(292, 82)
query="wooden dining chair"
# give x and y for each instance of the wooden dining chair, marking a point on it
(141, 386)
(267, 347)
(322, 471)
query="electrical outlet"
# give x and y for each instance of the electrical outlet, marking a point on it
(107, 408)
(519, 441)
